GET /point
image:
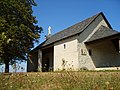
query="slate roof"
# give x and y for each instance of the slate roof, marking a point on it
(71, 31)
(102, 32)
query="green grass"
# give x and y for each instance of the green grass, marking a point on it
(88, 80)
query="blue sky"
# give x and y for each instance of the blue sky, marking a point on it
(60, 14)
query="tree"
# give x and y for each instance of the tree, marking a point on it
(18, 30)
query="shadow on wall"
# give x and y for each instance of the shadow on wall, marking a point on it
(104, 54)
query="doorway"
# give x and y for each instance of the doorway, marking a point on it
(47, 59)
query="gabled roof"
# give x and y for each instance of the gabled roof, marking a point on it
(71, 31)
(102, 32)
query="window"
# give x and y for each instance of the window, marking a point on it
(64, 46)
(90, 52)
(83, 52)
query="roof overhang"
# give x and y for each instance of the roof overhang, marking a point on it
(115, 36)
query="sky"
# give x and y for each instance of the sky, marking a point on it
(61, 14)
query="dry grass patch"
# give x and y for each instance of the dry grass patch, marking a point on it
(61, 81)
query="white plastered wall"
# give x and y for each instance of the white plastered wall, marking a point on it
(66, 54)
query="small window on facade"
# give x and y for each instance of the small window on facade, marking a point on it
(64, 46)
(90, 52)
(83, 52)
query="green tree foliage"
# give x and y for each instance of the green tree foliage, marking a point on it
(18, 30)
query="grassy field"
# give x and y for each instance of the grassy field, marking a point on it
(84, 80)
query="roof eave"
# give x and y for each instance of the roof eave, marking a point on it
(93, 41)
